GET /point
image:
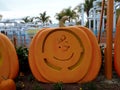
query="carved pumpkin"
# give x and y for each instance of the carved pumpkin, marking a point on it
(8, 58)
(62, 54)
(8, 84)
(117, 48)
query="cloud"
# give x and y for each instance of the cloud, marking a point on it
(3, 6)
(20, 8)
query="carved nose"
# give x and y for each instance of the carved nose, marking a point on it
(64, 47)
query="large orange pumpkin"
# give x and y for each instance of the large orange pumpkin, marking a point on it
(8, 58)
(117, 48)
(62, 54)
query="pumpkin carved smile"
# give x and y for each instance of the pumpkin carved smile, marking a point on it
(66, 59)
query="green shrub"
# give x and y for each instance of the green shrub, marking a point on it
(58, 86)
(22, 53)
(30, 78)
(37, 87)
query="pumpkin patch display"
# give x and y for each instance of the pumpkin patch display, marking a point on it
(62, 55)
(117, 48)
(8, 59)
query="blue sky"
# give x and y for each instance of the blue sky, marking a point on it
(22, 8)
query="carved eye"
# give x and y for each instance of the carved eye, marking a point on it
(59, 46)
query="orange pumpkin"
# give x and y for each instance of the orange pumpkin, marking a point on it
(8, 84)
(62, 54)
(8, 58)
(117, 48)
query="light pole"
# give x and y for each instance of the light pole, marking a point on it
(82, 14)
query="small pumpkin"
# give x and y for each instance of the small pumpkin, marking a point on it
(8, 58)
(8, 84)
(65, 54)
(117, 48)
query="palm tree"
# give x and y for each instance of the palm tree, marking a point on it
(28, 19)
(59, 16)
(71, 13)
(31, 19)
(88, 5)
(117, 0)
(44, 18)
(78, 10)
(67, 12)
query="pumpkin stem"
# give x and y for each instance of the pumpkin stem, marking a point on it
(62, 21)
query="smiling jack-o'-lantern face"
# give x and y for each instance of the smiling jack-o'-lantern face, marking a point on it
(61, 54)
(59, 48)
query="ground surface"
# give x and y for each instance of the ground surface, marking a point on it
(28, 82)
